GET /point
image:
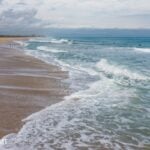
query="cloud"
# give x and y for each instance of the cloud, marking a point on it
(74, 13)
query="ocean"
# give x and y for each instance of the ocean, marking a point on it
(109, 107)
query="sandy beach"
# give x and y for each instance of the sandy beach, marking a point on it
(27, 85)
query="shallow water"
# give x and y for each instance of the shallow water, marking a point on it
(109, 108)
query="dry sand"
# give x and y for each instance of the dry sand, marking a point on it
(27, 85)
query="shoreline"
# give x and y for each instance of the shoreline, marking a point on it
(27, 85)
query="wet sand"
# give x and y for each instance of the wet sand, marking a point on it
(27, 85)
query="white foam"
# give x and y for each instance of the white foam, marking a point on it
(22, 43)
(120, 71)
(89, 71)
(71, 123)
(45, 48)
(41, 40)
(144, 50)
(51, 40)
(77, 68)
(60, 41)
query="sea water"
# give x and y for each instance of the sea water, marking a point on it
(109, 107)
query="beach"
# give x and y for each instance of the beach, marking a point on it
(98, 100)
(27, 85)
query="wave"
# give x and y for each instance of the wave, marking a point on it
(144, 50)
(60, 41)
(52, 40)
(41, 40)
(45, 48)
(120, 71)
(22, 43)
(123, 76)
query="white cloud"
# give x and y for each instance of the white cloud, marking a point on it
(76, 13)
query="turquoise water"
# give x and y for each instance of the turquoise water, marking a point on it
(110, 104)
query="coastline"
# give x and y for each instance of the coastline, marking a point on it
(27, 85)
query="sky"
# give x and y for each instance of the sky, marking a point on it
(45, 14)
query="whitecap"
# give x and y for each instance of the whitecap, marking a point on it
(118, 71)
(22, 43)
(60, 41)
(48, 49)
(41, 40)
(51, 40)
(144, 50)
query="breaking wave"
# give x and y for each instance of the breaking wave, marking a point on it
(22, 43)
(45, 48)
(120, 71)
(122, 75)
(144, 50)
(51, 40)
(60, 41)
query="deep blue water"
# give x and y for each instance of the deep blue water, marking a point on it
(110, 78)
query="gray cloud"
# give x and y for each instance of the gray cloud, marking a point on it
(31, 14)
(19, 18)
